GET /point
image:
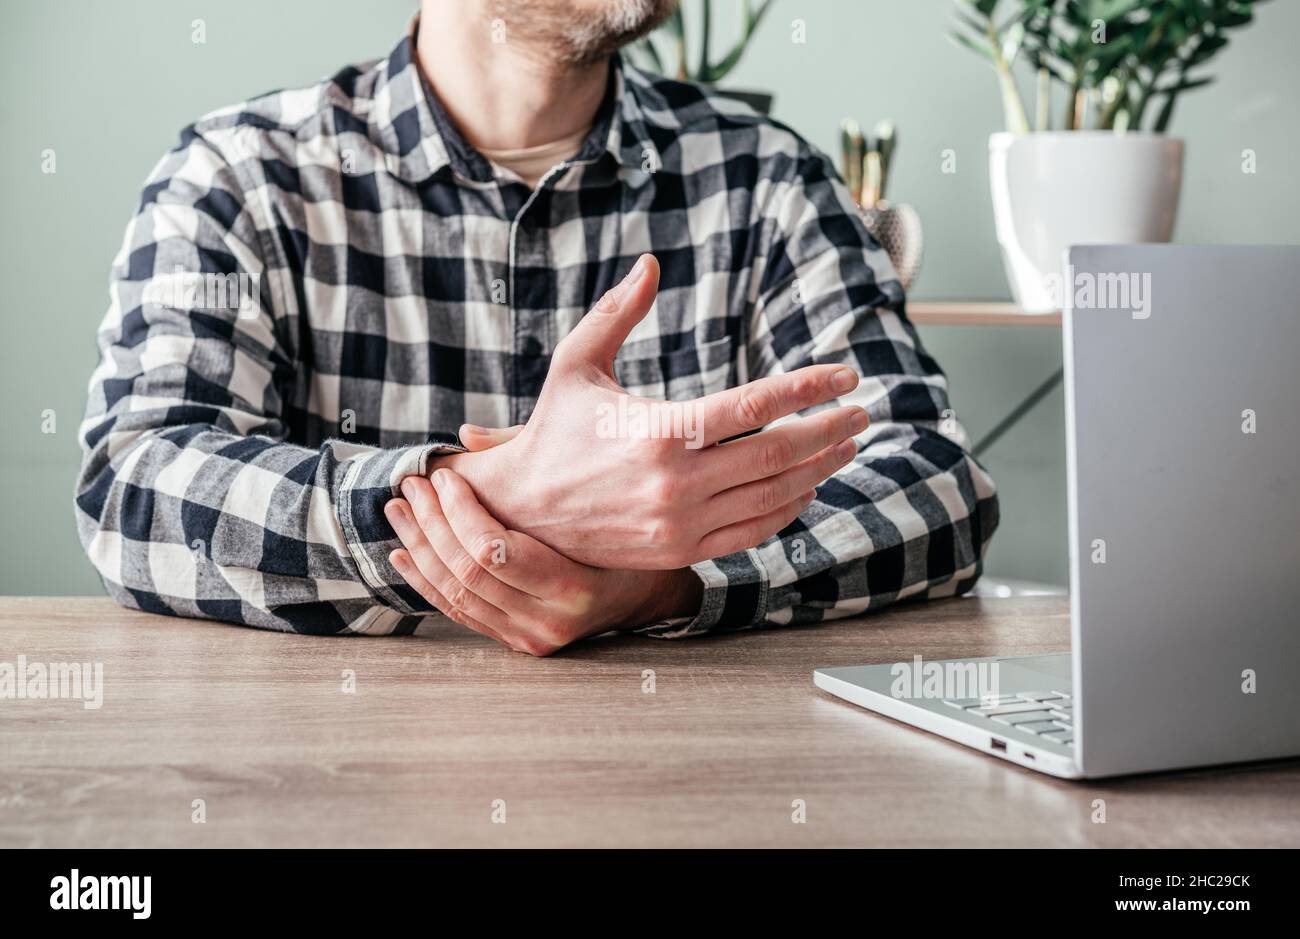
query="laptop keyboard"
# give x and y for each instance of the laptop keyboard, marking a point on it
(1049, 714)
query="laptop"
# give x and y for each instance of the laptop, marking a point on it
(1182, 402)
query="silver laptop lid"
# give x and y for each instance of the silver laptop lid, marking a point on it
(1182, 378)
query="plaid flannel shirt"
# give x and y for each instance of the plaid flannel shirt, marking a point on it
(384, 283)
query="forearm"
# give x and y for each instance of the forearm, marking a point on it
(912, 515)
(911, 518)
(189, 501)
(197, 521)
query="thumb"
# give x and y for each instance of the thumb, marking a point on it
(599, 334)
(477, 438)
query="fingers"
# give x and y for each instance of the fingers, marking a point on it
(401, 559)
(402, 516)
(468, 575)
(512, 557)
(597, 337)
(476, 438)
(753, 531)
(759, 403)
(758, 499)
(778, 449)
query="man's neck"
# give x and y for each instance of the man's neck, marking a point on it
(501, 93)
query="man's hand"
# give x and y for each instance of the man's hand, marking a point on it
(511, 587)
(631, 499)
(475, 438)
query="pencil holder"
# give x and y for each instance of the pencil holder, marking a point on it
(898, 229)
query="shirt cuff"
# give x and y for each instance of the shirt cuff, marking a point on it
(735, 597)
(368, 484)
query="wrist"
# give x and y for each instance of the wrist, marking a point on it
(685, 590)
(481, 469)
(671, 595)
(462, 463)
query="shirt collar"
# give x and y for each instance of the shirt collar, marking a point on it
(421, 140)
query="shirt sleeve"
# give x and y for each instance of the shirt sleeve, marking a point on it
(912, 515)
(189, 499)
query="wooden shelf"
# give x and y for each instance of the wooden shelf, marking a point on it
(949, 313)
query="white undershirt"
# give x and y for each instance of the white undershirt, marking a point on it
(531, 163)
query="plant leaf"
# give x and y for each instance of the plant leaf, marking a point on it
(963, 40)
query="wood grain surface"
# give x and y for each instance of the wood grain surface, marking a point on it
(444, 723)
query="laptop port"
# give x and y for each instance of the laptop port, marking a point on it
(1029, 756)
(997, 744)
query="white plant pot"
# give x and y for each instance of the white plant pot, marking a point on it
(1052, 190)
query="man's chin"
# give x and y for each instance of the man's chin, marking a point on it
(584, 33)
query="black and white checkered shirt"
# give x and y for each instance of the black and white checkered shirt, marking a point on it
(320, 285)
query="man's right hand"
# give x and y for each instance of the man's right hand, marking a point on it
(636, 500)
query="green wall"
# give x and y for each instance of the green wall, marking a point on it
(108, 84)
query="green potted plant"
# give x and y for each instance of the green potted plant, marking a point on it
(1102, 171)
(705, 69)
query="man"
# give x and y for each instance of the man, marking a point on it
(503, 223)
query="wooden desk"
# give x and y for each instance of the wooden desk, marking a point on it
(443, 723)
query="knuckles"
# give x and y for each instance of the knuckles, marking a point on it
(659, 452)
(552, 633)
(489, 550)
(543, 637)
(807, 388)
(756, 405)
(661, 491)
(669, 549)
(458, 596)
(578, 601)
(536, 647)
(660, 533)
(767, 497)
(466, 570)
(776, 455)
